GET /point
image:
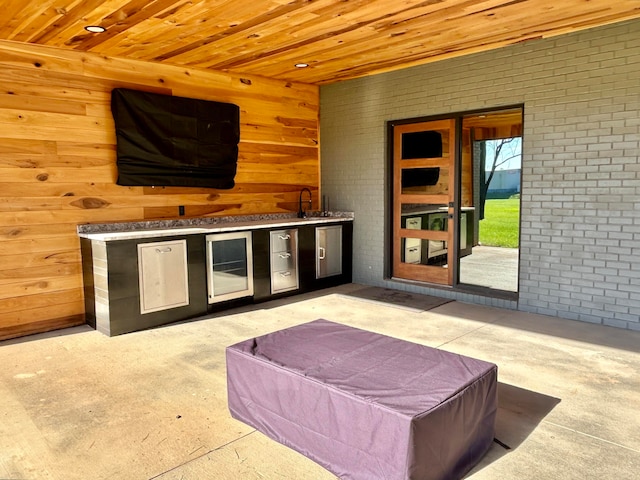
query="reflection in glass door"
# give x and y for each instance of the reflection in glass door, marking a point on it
(423, 199)
(491, 172)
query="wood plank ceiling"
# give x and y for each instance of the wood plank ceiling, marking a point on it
(338, 39)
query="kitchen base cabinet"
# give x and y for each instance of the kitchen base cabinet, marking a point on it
(140, 282)
(337, 251)
(334, 243)
(112, 285)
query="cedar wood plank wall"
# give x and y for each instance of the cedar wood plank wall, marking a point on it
(57, 166)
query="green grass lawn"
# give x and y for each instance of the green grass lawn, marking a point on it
(500, 227)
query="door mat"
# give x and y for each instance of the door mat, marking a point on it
(413, 301)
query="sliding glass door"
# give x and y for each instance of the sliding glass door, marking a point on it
(439, 171)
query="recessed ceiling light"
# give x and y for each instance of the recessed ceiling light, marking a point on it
(301, 65)
(95, 29)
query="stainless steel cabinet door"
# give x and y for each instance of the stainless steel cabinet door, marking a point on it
(328, 251)
(163, 278)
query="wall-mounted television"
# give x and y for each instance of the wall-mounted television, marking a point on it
(164, 140)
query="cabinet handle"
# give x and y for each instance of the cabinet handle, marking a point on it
(163, 250)
(285, 274)
(413, 249)
(285, 255)
(284, 237)
(321, 253)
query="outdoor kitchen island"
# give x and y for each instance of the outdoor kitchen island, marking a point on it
(140, 275)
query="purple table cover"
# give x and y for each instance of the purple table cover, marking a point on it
(364, 405)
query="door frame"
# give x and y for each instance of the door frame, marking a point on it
(389, 210)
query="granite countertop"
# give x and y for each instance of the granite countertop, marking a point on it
(190, 226)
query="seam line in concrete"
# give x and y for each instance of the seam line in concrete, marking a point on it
(592, 436)
(203, 455)
(464, 335)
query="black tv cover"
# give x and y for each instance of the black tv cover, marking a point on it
(164, 140)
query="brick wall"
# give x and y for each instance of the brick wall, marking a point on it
(580, 232)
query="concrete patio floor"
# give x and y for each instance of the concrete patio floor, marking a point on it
(75, 404)
(491, 267)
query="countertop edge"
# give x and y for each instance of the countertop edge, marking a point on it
(204, 225)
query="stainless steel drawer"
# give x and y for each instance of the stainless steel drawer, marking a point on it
(283, 261)
(283, 240)
(284, 280)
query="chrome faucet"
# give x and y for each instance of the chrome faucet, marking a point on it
(303, 213)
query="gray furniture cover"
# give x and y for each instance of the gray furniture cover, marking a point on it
(364, 405)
